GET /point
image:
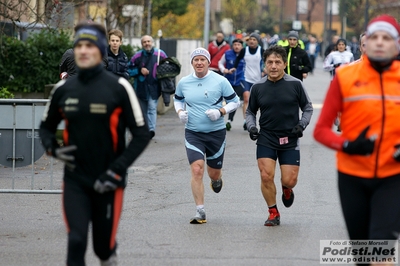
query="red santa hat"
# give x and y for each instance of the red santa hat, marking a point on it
(386, 23)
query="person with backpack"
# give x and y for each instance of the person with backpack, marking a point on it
(143, 67)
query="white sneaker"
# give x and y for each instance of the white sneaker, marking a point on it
(200, 217)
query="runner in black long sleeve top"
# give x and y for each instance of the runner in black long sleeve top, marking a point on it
(278, 97)
(97, 108)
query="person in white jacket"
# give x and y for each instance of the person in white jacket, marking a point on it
(339, 57)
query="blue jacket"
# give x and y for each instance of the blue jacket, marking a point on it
(238, 76)
(146, 87)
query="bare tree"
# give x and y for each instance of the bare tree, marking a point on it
(21, 10)
(122, 14)
(312, 4)
(47, 12)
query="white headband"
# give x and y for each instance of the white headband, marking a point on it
(384, 26)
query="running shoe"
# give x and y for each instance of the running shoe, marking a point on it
(152, 134)
(287, 196)
(112, 261)
(216, 185)
(228, 125)
(200, 217)
(274, 218)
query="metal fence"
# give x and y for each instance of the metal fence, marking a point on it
(24, 167)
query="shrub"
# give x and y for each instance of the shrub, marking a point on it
(130, 50)
(5, 94)
(28, 66)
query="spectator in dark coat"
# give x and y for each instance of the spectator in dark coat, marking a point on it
(117, 59)
(143, 67)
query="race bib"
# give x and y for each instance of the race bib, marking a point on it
(283, 141)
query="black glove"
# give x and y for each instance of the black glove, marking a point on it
(298, 131)
(361, 145)
(337, 65)
(64, 154)
(396, 154)
(297, 67)
(109, 181)
(253, 132)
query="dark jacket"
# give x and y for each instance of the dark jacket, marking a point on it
(297, 62)
(331, 47)
(236, 77)
(67, 63)
(97, 107)
(118, 64)
(146, 87)
(167, 70)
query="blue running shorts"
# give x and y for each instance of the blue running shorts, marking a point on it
(210, 145)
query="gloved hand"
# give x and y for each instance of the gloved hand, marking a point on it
(361, 145)
(108, 181)
(298, 131)
(213, 114)
(396, 154)
(254, 134)
(297, 67)
(64, 154)
(183, 116)
(337, 65)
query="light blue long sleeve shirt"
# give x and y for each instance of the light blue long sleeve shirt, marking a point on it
(201, 94)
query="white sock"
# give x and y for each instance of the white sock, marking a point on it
(199, 207)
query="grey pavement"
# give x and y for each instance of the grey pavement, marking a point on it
(158, 203)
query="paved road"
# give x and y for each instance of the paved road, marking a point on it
(158, 204)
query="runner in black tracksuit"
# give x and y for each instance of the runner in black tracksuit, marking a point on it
(97, 107)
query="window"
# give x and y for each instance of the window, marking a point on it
(335, 7)
(302, 6)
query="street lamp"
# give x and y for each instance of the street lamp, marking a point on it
(206, 32)
(366, 14)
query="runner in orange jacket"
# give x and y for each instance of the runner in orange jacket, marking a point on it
(367, 95)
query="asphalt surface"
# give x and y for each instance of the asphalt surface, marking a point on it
(158, 203)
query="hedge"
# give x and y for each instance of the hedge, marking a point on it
(29, 66)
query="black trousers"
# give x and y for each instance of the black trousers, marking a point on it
(370, 206)
(83, 205)
(239, 92)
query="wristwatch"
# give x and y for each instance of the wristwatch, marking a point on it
(220, 112)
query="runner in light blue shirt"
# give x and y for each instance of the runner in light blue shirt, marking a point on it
(198, 102)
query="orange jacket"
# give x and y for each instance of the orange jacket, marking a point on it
(364, 98)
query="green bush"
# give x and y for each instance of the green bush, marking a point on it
(28, 66)
(130, 50)
(5, 94)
